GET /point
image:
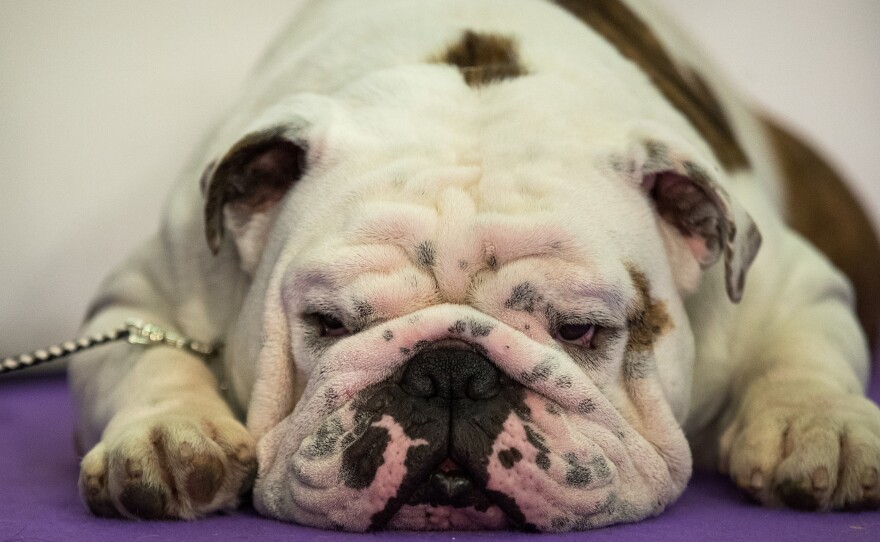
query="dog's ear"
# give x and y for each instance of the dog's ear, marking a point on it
(242, 189)
(711, 222)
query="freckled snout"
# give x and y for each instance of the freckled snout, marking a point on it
(451, 373)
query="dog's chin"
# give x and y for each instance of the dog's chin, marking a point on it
(449, 498)
(425, 517)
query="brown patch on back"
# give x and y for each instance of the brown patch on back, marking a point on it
(822, 209)
(483, 58)
(649, 319)
(689, 93)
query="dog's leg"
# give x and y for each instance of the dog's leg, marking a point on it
(164, 443)
(799, 430)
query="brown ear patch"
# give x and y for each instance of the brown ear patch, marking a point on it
(648, 319)
(688, 92)
(483, 58)
(822, 209)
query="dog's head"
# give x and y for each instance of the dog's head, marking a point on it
(466, 305)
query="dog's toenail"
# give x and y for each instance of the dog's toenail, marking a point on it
(820, 479)
(757, 480)
(869, 478)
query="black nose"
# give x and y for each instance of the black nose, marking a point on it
(451, 374)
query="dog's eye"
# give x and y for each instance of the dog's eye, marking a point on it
(580, 334)
(331, 326)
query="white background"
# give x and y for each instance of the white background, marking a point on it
(102, 101)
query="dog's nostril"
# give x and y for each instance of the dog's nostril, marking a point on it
(484, 384)
(418, 382)
(451, 374)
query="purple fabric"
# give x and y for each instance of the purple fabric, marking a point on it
(38, 498)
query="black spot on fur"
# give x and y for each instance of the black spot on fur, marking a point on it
(480, 329)
(331, 399)
(559, 523)
(363, 309)
(564, 382)
(540, 372)
(508, 458)
(523, 297)
(387, 335)
(577, 475)
(583, 523)
(553, 409)
(599, 467)
(325, 440)
(586, 406)
(536, 440)
(542, 460)
(458, 327)
(425, 254)
(615, 505)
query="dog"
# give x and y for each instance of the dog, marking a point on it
(487, 264)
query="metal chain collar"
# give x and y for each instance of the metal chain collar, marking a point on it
(134, 331)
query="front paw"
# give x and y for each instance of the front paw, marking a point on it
(170, 466)
(806, 451)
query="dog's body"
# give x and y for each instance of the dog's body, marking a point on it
(460, 255)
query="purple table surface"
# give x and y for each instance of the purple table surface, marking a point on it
(39, 501)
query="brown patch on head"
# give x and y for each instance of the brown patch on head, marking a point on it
(649, 319)
(688, 92)
(483, 58)
(822, 209)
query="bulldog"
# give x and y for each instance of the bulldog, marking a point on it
(482, 264)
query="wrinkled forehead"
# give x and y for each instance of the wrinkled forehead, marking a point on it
(421, 166)
(411, 253)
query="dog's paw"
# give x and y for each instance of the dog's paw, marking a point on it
(169, 467)
(809, 452)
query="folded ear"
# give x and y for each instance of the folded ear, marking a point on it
(711, 222)
(242, 189)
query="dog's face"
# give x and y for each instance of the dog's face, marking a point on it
(466, 308)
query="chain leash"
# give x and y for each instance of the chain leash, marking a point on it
(134, 331)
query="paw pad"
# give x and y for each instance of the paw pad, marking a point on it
(143, 501)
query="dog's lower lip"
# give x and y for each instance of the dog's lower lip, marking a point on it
(450, 484)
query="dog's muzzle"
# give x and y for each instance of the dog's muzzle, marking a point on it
(456, 399)
(449, 419)
(458, 381)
